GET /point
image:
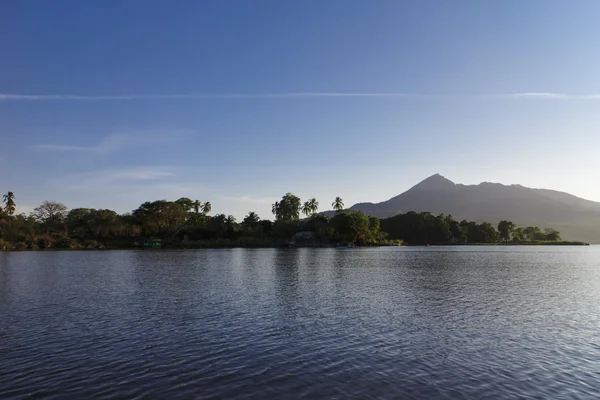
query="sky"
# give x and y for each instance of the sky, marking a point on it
(109, 104)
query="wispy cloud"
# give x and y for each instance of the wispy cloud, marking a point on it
(196, 96)
(288, 95)
(142, 175)
(116, 142)
(114, 179)
(550, 96)
(539, 95)
(60, 147)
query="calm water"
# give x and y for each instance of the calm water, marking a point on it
(447, 323)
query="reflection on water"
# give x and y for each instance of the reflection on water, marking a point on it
(509, 322)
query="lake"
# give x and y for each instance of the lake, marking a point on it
(373, 323)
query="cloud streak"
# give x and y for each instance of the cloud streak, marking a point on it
(197, 96)
(112, 143)
(551, 96)
(61, 147)
(123, 178)
(290, 95)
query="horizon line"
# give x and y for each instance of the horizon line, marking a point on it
(290, 95)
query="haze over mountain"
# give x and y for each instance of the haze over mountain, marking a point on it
(574, 217)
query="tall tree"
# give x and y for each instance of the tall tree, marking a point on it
(9, 201)
(161, 217)
(505, 230)
(338, 204)
(306, 208)
(351, 226)
(185, 202)
(551, 234)
(197, 206)
(519, 234)
(206, 208)
(251, 220)
(532, 233)
(288, 209)
(50, 211)
(314, 206)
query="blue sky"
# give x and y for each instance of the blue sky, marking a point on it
(108, 104)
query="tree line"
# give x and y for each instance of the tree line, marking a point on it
(187, 222)
(424, 228)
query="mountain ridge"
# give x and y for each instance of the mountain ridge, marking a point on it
(576, 218)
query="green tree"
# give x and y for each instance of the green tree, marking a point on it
(231, 231)
(376, 234)
(532, 233)
(351, 226)
(310, 207)
(458, 234)
(161, 217)
(51, 216)
(488, 233)
(338, 204)
(314, 205)
(50, 212)
(551, 234)
(505, 230)
(9, 201)
(288, 209)
(518, 234)
(206, 208)
(306, 210)
(251, 220)
(321, 225)
(185, 202)
(197, 205)
(374, 225)
(438, 229)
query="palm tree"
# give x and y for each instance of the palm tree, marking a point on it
(206, 208)
(307, 209)
(251, 219)
(310, 207)
(314, 205)
(338, 204)
(9, 199)
(197, 206)
(275, 209)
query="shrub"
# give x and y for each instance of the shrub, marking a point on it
(44, 242)
(65, 242)
(91, 244)
(4, 245)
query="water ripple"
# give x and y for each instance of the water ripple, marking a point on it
(310, 323)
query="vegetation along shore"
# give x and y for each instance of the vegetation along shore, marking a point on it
(187, 223)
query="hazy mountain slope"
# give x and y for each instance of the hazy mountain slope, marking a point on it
(576, 218)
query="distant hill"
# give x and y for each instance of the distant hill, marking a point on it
(574, 217)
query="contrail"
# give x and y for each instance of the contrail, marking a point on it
(291, 95)
(201, 96)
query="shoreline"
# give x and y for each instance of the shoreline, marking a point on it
(209, 247)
